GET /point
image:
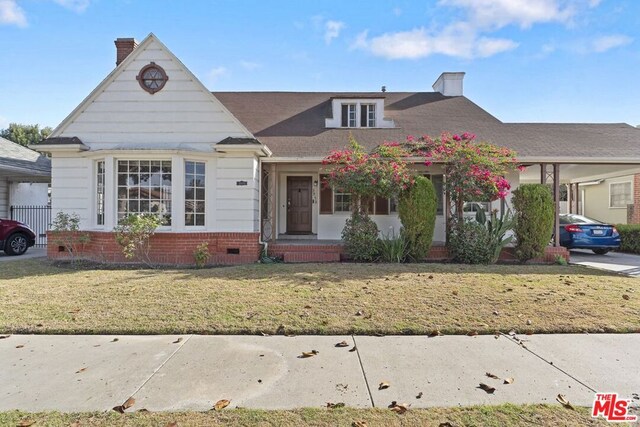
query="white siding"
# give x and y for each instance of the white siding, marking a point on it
(122, 114)
(4, 198)
(70, 187)
(237, 206)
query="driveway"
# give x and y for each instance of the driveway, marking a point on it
(31, 253)
(613, 261)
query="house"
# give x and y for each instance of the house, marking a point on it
(243, 169)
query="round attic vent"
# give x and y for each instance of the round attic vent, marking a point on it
(152, 78)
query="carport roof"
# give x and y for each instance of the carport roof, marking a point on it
(15, 158)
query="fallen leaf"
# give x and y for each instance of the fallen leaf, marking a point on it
(455, 292)
(177, 341)
(446, 424)
(264, 335)
(626, 297)
(435, 333)
(400, 408)
(75, 424)
(496, 313)
(383, 385)
(490, 375)
(359, 313)
(331, 405)
(353, 349)
(128, 403)
(431, 276)
(419, 396)
(118, 409)
(528, 322)
(359, 424)
(487, 388)
(508, 381)
(563, 401)
(172, 424)
(20, 346)
(115, 340)
(472, 333)
(4, 336)
(143, 410)
(306, 354)
(221, 404)
(342, 344)
(81, 370)
(25, 423)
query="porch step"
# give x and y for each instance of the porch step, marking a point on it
(311, 257)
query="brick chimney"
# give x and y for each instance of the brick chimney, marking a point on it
(124, 46)
(449, 84)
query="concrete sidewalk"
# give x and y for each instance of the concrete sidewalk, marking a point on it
(191, 372)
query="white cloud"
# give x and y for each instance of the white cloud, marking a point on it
(77, 6)
(332, 30)
(249, 65)
(456, 40)
(4, 122)
(12, 14)
(217, 72)
(604, 43)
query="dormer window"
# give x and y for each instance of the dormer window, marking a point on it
(365, 112)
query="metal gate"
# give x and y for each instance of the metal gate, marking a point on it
(38, 218)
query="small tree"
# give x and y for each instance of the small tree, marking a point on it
(535, 215)
(67, 233)
(25, 134)
(133, 235)
(417, 210)
(473, 170)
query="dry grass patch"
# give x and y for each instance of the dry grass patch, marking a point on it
(38, 297)
(498, 416)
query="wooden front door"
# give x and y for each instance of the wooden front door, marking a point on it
(299, 204)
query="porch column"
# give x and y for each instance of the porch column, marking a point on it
(273, 205)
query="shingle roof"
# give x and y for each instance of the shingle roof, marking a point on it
(63, 140)
(292, 124)
(15, 157)
(238, 141)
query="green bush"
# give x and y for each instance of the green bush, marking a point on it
(417, 211)
(201, 254)
(470, 243)
(393, 248)
(360, 235)
(133, 235)
(534, 208)
(629, 238)
(68, 233)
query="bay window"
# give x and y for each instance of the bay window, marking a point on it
(194, 193)
(144, 186)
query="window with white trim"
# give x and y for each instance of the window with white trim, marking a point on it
(342, 202)
(620, 194)
(349, 115)
(194, 193)
(144, 186)
(368, 115)
(100, 192)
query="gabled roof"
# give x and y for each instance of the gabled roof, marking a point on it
(292, 125)
(16, 158)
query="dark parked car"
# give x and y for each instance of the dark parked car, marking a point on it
(15, 237)
(580, 232)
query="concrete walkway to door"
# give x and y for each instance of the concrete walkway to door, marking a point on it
(617, 262)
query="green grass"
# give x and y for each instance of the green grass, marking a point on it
(498, 416)
(39, 297)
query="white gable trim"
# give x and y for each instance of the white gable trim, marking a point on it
(59, 130)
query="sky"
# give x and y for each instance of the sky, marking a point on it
(525, 60)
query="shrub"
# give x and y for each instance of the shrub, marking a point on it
(417, 211)
(470, 243)
(497, 227)
(629, 237)
(133, 235)
(534, 220)
(393, 248)
(201, 254)
(68, 234)
(360, 235)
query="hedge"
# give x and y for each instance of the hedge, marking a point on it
(629, 237)
(534, 208)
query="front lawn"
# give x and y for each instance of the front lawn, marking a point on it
(504, 415)
(38, 297)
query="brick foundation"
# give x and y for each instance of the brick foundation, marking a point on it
(167, 248)
(323, 252)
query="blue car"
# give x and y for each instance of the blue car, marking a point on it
(580, 232)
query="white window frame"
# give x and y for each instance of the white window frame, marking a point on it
(172, 198)
(184, 195)
(335, 202)
(630, 194)
(371, 114)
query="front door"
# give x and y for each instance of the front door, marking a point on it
(299, 205)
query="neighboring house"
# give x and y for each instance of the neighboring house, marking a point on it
(611, 198)
(236, 169)
(24, 177)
